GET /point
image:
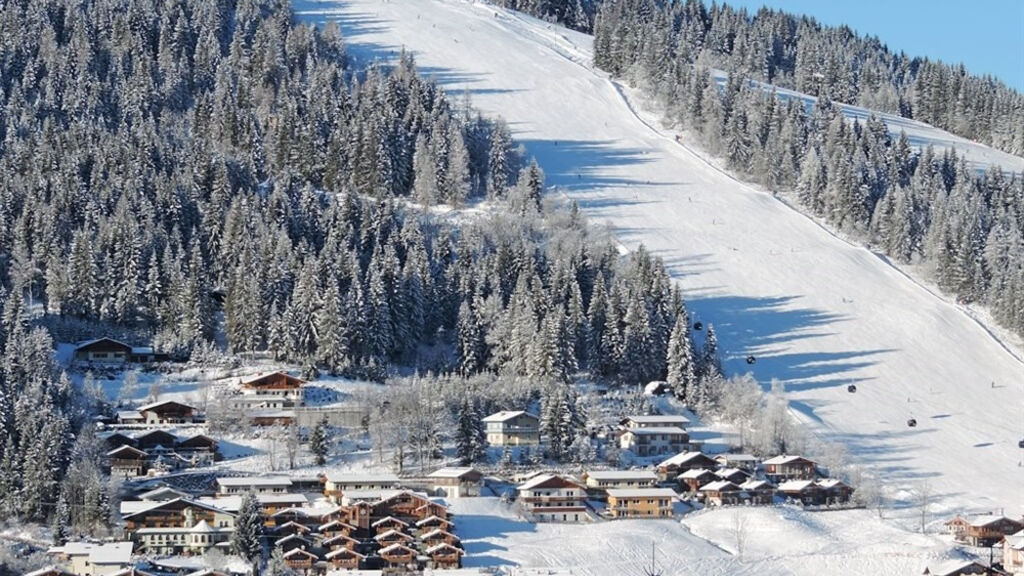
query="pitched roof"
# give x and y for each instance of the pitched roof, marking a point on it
(950, 567)
(52, 569)
(153, 405)
(796, 485)
(186, 501)
(394, 548)
(343, 552)
(720, 485)
(391, 534)
(126, 448)
(254, 481)
(163, 491)
(786, 459)
(641, 493)
(129, 415)
(655, 430)
(108, 553)
(300, 551)
(387, 519)
(756, 485)
(333, 524)
(437, 532)
(506, 415)
(683, 458)
(263, 375)
(97, 340)
(384, 478)
(695, 473)
(434, 518)
(1015, 541)
(549, 481)
(443, 545)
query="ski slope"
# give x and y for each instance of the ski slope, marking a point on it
(818, 312)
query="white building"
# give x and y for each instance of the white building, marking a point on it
(553, 498)
(512, 428)
(257, 484)
(456, 482)
(604, 479)
(89, 559)
(654, 441)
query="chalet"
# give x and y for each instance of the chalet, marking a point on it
(834, 491)
(654, 441)
(200, 444)
(512, 428)
(167, 412)
(1013, 554)
(344, 558)
(191, 540)
(695, 479)
(444, 555)
(408, 504)
(130, 417)
(392, 536)
(430, 509)
(337, 485)
(300, 560)
(155, 441)
(126, 462)
(605, 479)
(456, 482)
(641, 502)
(397, 555)
(806, 492)
(177, 513)
(89, 559)
(984, 530)
(721, 493)
(757, 492)
(257, 484)
(745, 462)
(162, 494)
(788, 467)
(656, 421)
(956, 568)
(260, 403)
(672, 467)
(270, 504)
(273, 384)
(734, 475)
(436, 536)
(336, 528)
(549, 497)
(110, 351)
(117, 439)
(293, 541)
(290, 528)
(340, 541)
(387, 524)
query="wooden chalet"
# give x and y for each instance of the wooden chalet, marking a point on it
(806, 492)
(512, 428)
(956, 568)
(126, 462)
(734, 475)
(409, 505)
(117, 439)
(436, 536)
(391, 537)
(721, 493)
(641, 502)
(292, 542)
(745, 462)
(389, 523)
(199, 445)
(695, 479)
(177, 513)
(431, 522)
(430, 509)
(397, 555)
(789, 467)
(654, 421)
(273, 384)
(109, 351)
(167, 412)
(445, 555)
(336, 528)
(834, 491)
(50, 571)
(670, 468)
(340, 541)
(345, 558)
(156, 439)
(300, 560)
(985, 530)
(757, 492)
(290, 528)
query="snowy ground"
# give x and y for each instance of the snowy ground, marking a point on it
(818, 312)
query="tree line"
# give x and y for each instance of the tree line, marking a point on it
(963, 224)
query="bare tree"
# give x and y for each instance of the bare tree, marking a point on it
(740, 532)
(923, 498)
(292, 442)
(154, 391)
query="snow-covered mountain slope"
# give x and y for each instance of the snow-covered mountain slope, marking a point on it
(818, 312)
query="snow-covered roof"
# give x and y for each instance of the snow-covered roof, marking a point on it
(156, 494)
(622, 475)
(755, 484)
(394, 548)
(544, 478)
(827, 483)
(234, 503)
(387, 519)
(158, 505)
(391, 534)
(658, 419)
(261, 375)
(433, 518)
(108, 553)
(655, 430)
(348, 478)
(506, 415)
(335, 553)
(153, 405)
(291, 537)
(785, 459)
(695, 473)
(452, 472)
(795, 485)
(95, 340)
(442, 546)
(730, 471)
(641, 493)
(719, 485)
(682, 458)
(334, 523)
(729, 457)
(52, 569)
(245, 481)
(1016, 541)
(129, 415)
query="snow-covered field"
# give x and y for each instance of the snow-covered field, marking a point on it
(817, 312)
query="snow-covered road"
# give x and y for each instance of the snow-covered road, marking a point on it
(818, 312)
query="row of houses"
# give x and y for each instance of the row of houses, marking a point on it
(139, 454)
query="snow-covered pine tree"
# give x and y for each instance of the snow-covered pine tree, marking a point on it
(318, 442)
(247, 539)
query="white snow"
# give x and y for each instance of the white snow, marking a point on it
(817, 311)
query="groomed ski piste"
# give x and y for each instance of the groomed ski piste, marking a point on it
(817, 311)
